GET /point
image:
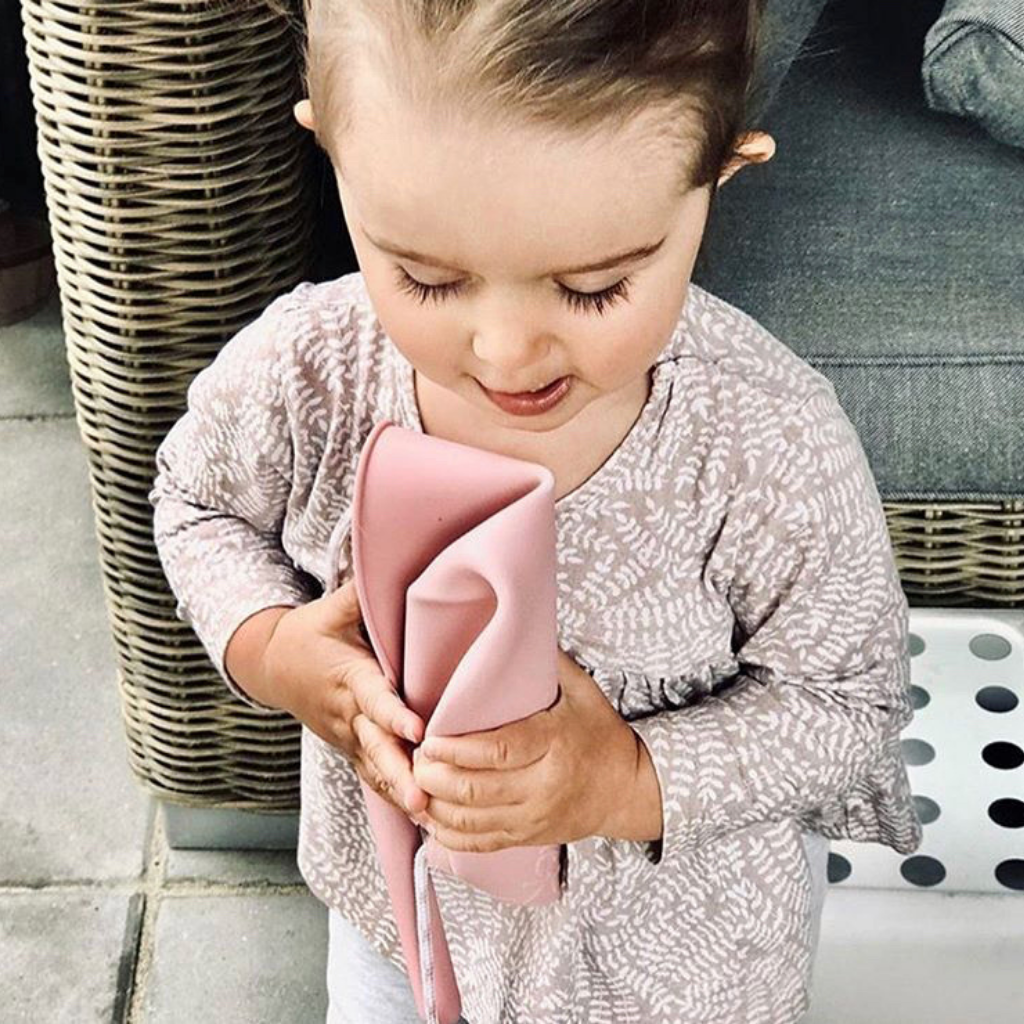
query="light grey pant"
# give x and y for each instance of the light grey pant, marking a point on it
(816, 846)
(364, 987)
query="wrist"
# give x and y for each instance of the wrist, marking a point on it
(638, 812)
(245, 659)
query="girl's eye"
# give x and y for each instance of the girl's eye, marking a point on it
(580, 301)
(586, 301)
(422, 291)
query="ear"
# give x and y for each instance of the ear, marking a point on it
(304, 114)
(751, 148)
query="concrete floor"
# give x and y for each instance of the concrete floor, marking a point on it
(101, 922)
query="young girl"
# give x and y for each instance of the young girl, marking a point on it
(526, 186)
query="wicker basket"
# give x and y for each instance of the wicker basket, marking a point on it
(180, 195)
(953, 555)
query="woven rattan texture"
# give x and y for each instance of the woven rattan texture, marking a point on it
(181, 201)
(953, 555)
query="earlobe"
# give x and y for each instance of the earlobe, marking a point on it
(760, 147)
(303, 111)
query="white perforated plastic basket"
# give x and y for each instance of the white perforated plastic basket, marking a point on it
(964, 751)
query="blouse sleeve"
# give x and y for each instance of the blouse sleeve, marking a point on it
(222, 488)
(821, 621)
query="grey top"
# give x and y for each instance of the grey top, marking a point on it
(727, 578)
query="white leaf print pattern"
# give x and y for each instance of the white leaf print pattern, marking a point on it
(725, 578)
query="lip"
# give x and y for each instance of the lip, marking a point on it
(530, 403)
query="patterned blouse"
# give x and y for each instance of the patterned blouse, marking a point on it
(726, 577)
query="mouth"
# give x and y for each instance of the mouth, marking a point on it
(529, 391)
(525, 403)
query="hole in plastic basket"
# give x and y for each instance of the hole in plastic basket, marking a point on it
(919, 697)
(927, 809)
(1007, 812)
(996, 698)
(922, 870)
(916, 645)
(990, 646)
(838, 867)
(1011, 874)
(917, 751)
(1003, 754)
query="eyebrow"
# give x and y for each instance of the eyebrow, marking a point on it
(616, 260)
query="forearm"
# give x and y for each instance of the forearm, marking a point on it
(638, 814)
(243, 657)
(222, 569)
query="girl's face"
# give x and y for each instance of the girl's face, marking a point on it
(501, 257)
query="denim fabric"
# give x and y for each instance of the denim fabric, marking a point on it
(883, 245)
(973, 65)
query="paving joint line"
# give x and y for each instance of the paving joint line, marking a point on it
(137, 952)
(145, 896)
(175, 888)
(33, 417)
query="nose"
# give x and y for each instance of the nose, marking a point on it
(515, 351)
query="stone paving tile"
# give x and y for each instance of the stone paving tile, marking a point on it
(70, 806)
(238, 959)
(277, 867)
(34, 376)
(66, 958)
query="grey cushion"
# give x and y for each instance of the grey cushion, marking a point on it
(973, 65)
(884, 244)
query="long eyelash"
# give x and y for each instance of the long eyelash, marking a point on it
(579, 301)
(596, 301)
(422, 291)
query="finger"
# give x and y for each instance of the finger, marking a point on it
(516, 745)
(469, 787)
(342, 604)
(477, 836)
(389, 764)
(477, 820)
(343, 614)
(377, 699)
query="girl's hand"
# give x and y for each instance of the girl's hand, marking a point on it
(325, 674)
(554, 777)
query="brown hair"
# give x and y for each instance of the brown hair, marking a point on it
(570, 65)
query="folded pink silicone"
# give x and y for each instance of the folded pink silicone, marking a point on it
(453, 551)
